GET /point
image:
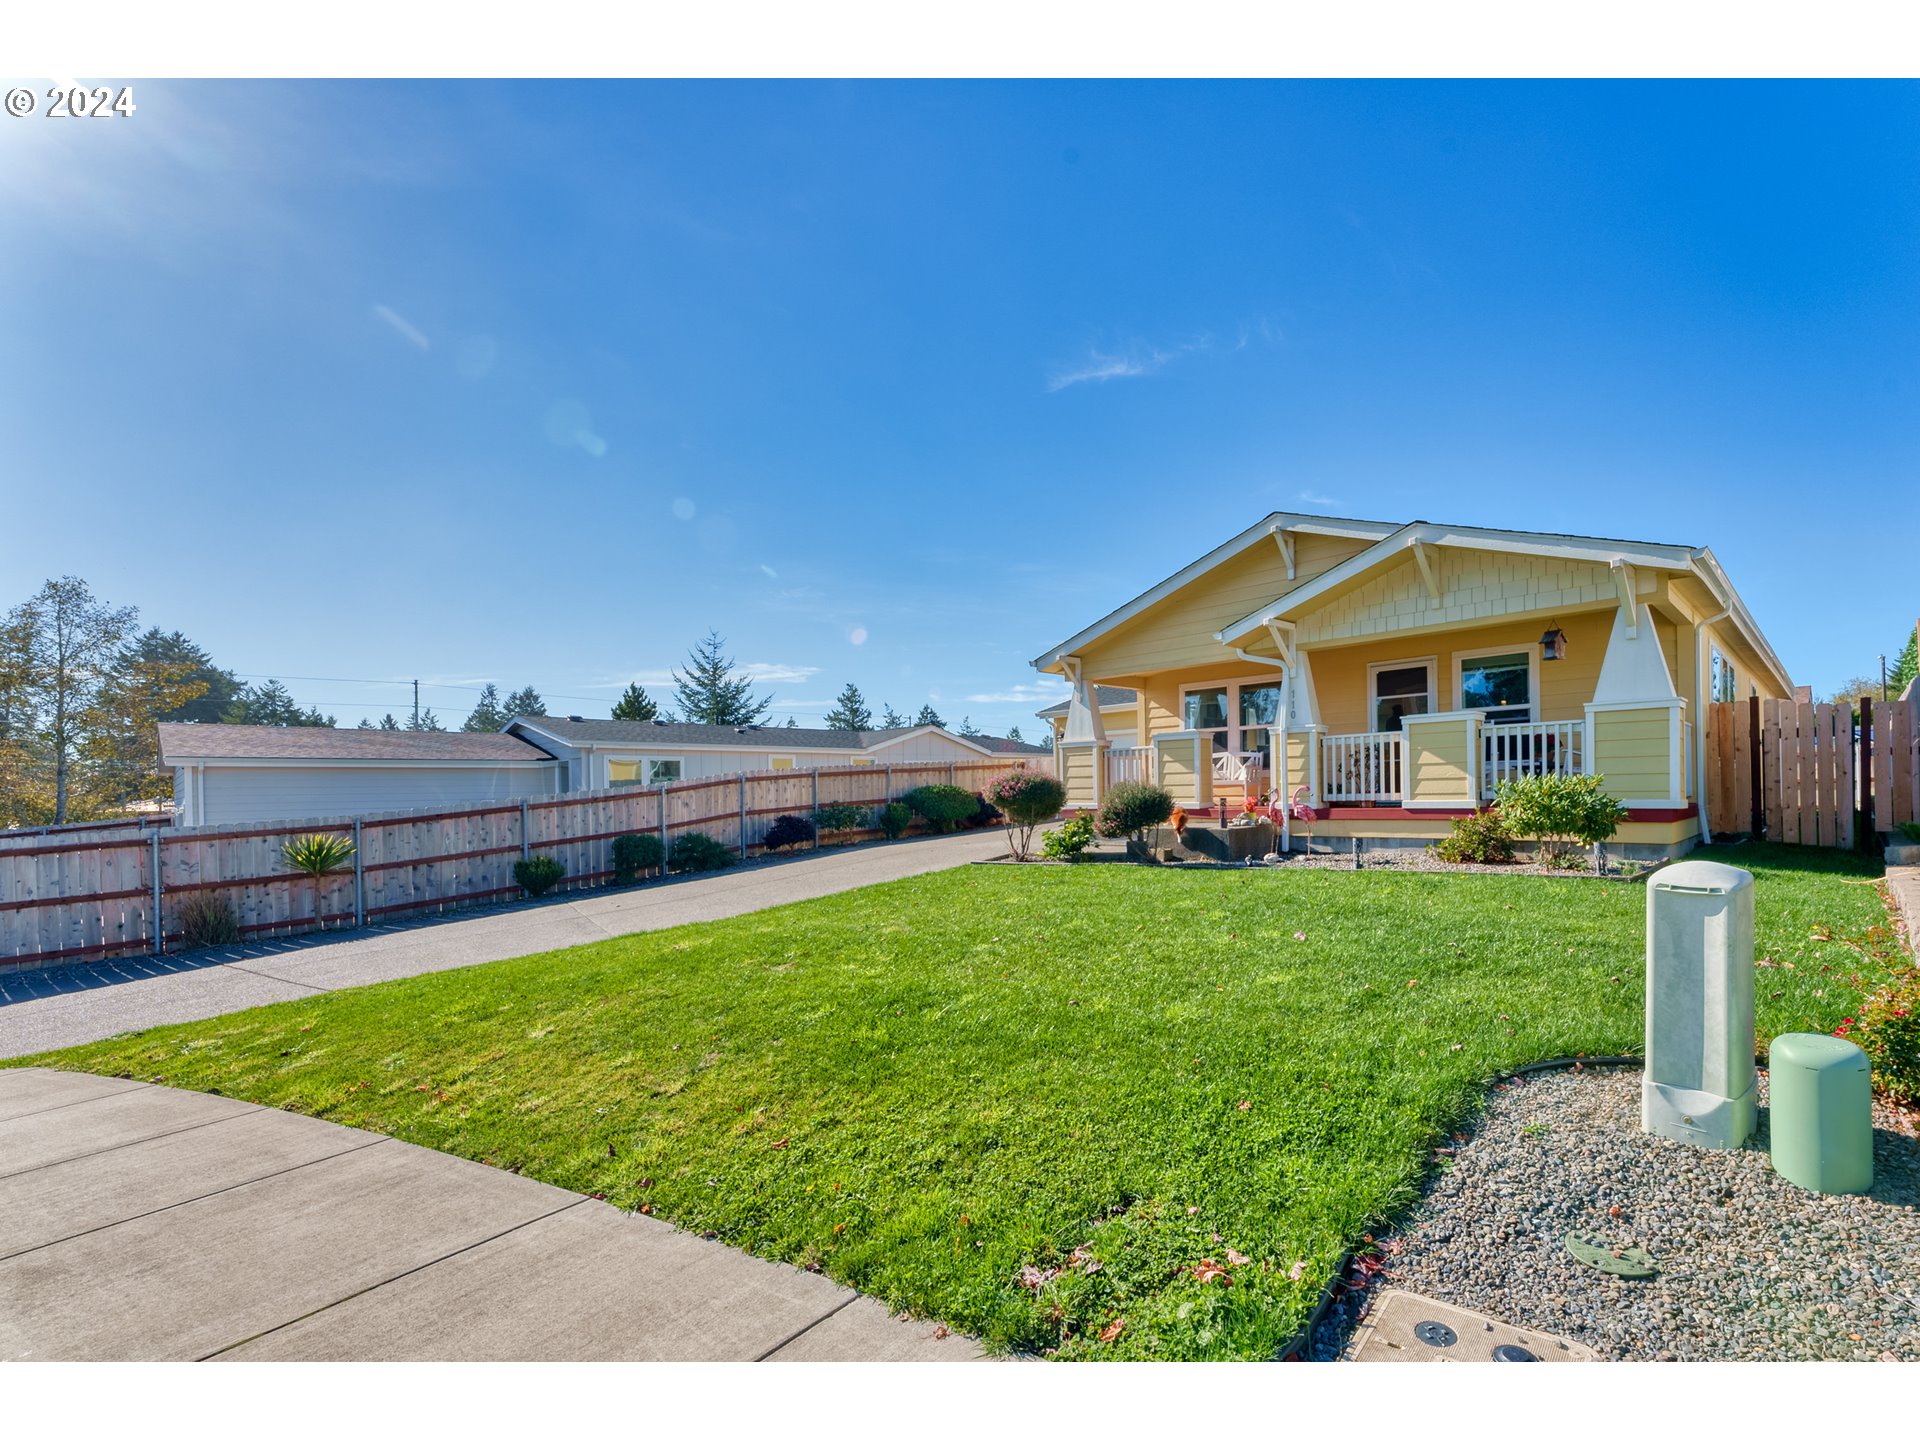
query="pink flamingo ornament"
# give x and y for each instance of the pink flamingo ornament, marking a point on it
(1302, 813)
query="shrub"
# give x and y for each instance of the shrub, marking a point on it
(894, 820)
(985, 814)
(317, 854)
(207, 918)
(538, 875)
(1132, 808)
(1481, 838)
(695, 852)
(1888, 1029)
(837, 818)
(1029, 799)
(789, 830)
(634, 853)
(1560, 813)
(1910, 831)
(1069, 840)
(942, 806)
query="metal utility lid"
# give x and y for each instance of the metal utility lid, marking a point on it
(1701, 877)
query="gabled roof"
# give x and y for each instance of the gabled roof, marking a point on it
(776, 738)
(184, 742)
(1107, 697)
(1255, 534)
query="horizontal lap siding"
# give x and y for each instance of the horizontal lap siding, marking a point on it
(236, 794)
(1632, 749)
(1437, 762)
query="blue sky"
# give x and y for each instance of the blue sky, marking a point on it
(903, 383)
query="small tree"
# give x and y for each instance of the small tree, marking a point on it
(488, 713)
(634, 853)
(1560, 813)
(1029, 799)
(1906, 665)
(838, 819)
(891, 719)
(524, 701)
(425, 720)
(929, 716)
(1132, 808)
(635, 704)
(850, 711)
(711, 692)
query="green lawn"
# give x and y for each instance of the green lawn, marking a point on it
(925, 1088)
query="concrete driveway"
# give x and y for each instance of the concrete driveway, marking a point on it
(142, 1223)
(45, 1010)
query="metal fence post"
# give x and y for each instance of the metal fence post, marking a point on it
(159, 922)
(526, 839)
(663, 829)
(815, 816)
(743, 814)
(359, 879)
(953, 773)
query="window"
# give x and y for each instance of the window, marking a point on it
(1400, 689)
(861, 760)
(780, 762)
(1234, 716)
(1498, 683)
(623, 772)
(662, 772)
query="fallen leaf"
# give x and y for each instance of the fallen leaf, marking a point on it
(1112, 1332)
(940, 1332)
(1208, 1271)
(1412, 983)
(783, 1142)
(1614, 1211)
(1298, 1272)
(1234, 1257)
(1246, 1104)
(1299, 934)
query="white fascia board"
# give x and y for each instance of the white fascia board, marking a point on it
(337, 762)
(917, 732)
(1255, 534)
(1707, 566)
(1465, 537)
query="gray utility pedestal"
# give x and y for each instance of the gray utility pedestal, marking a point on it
(1700, 1084)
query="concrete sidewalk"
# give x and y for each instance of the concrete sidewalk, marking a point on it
(141, 1223)
(45, 1010)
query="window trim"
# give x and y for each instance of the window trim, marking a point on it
(1233, 727)
(1532, 652)
(1432, 662)
(649, 761)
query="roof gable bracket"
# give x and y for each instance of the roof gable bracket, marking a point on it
(1283, 537)
(1427, 571)
(1282, 633)
(1625, 581)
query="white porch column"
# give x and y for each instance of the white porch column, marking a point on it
(1084, 725)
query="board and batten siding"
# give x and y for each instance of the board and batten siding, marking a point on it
(235, 794)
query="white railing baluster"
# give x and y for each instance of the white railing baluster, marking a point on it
(1535, 747)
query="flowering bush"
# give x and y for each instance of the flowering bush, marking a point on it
(1029, 799)
(1888, 1029)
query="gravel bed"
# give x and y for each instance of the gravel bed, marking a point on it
(1751, 1267)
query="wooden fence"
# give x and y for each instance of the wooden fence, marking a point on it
(84, 830)
(1807, 774)
(68, 898)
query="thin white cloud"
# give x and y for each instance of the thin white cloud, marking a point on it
(769, 572)
(762, 673)
(1022, 694)
(403, 328)
(1136, 360)
(1314, 497)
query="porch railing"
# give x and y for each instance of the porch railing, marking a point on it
(1362, 769)
(1129, 762)
(1535, 747)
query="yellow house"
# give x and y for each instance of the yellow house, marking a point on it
(1396, 673)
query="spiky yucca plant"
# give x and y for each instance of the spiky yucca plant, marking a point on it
(317, 855)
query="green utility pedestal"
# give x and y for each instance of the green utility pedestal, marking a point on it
(1820, 1103)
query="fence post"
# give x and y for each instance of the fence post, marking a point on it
(743, 814)
(663, 828)
(1863, 838)
(889, 784)
(953, 773)
(815, 815)
(1757, 820)
(360, 879)
(159, 923)
(526, 839)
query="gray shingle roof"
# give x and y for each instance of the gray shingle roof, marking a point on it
(1109, 695)
(312, 742)
(1000, 745)
(752, 737)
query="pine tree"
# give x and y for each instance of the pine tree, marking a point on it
(891, 719)
(387, 722)
(488, 714)
(525, 701)
(426, 720)
(711, 693)
(1906, 667)
(929, 716)
(271, 703)
(195, 667)
(365, 724)
(636, 704)
(792, 724)
(850, 711)
(1014, 735)
(968, 729)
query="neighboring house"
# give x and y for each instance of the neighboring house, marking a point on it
(229, 774)
(1397, 672)
(603, 754)
(226, 774)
